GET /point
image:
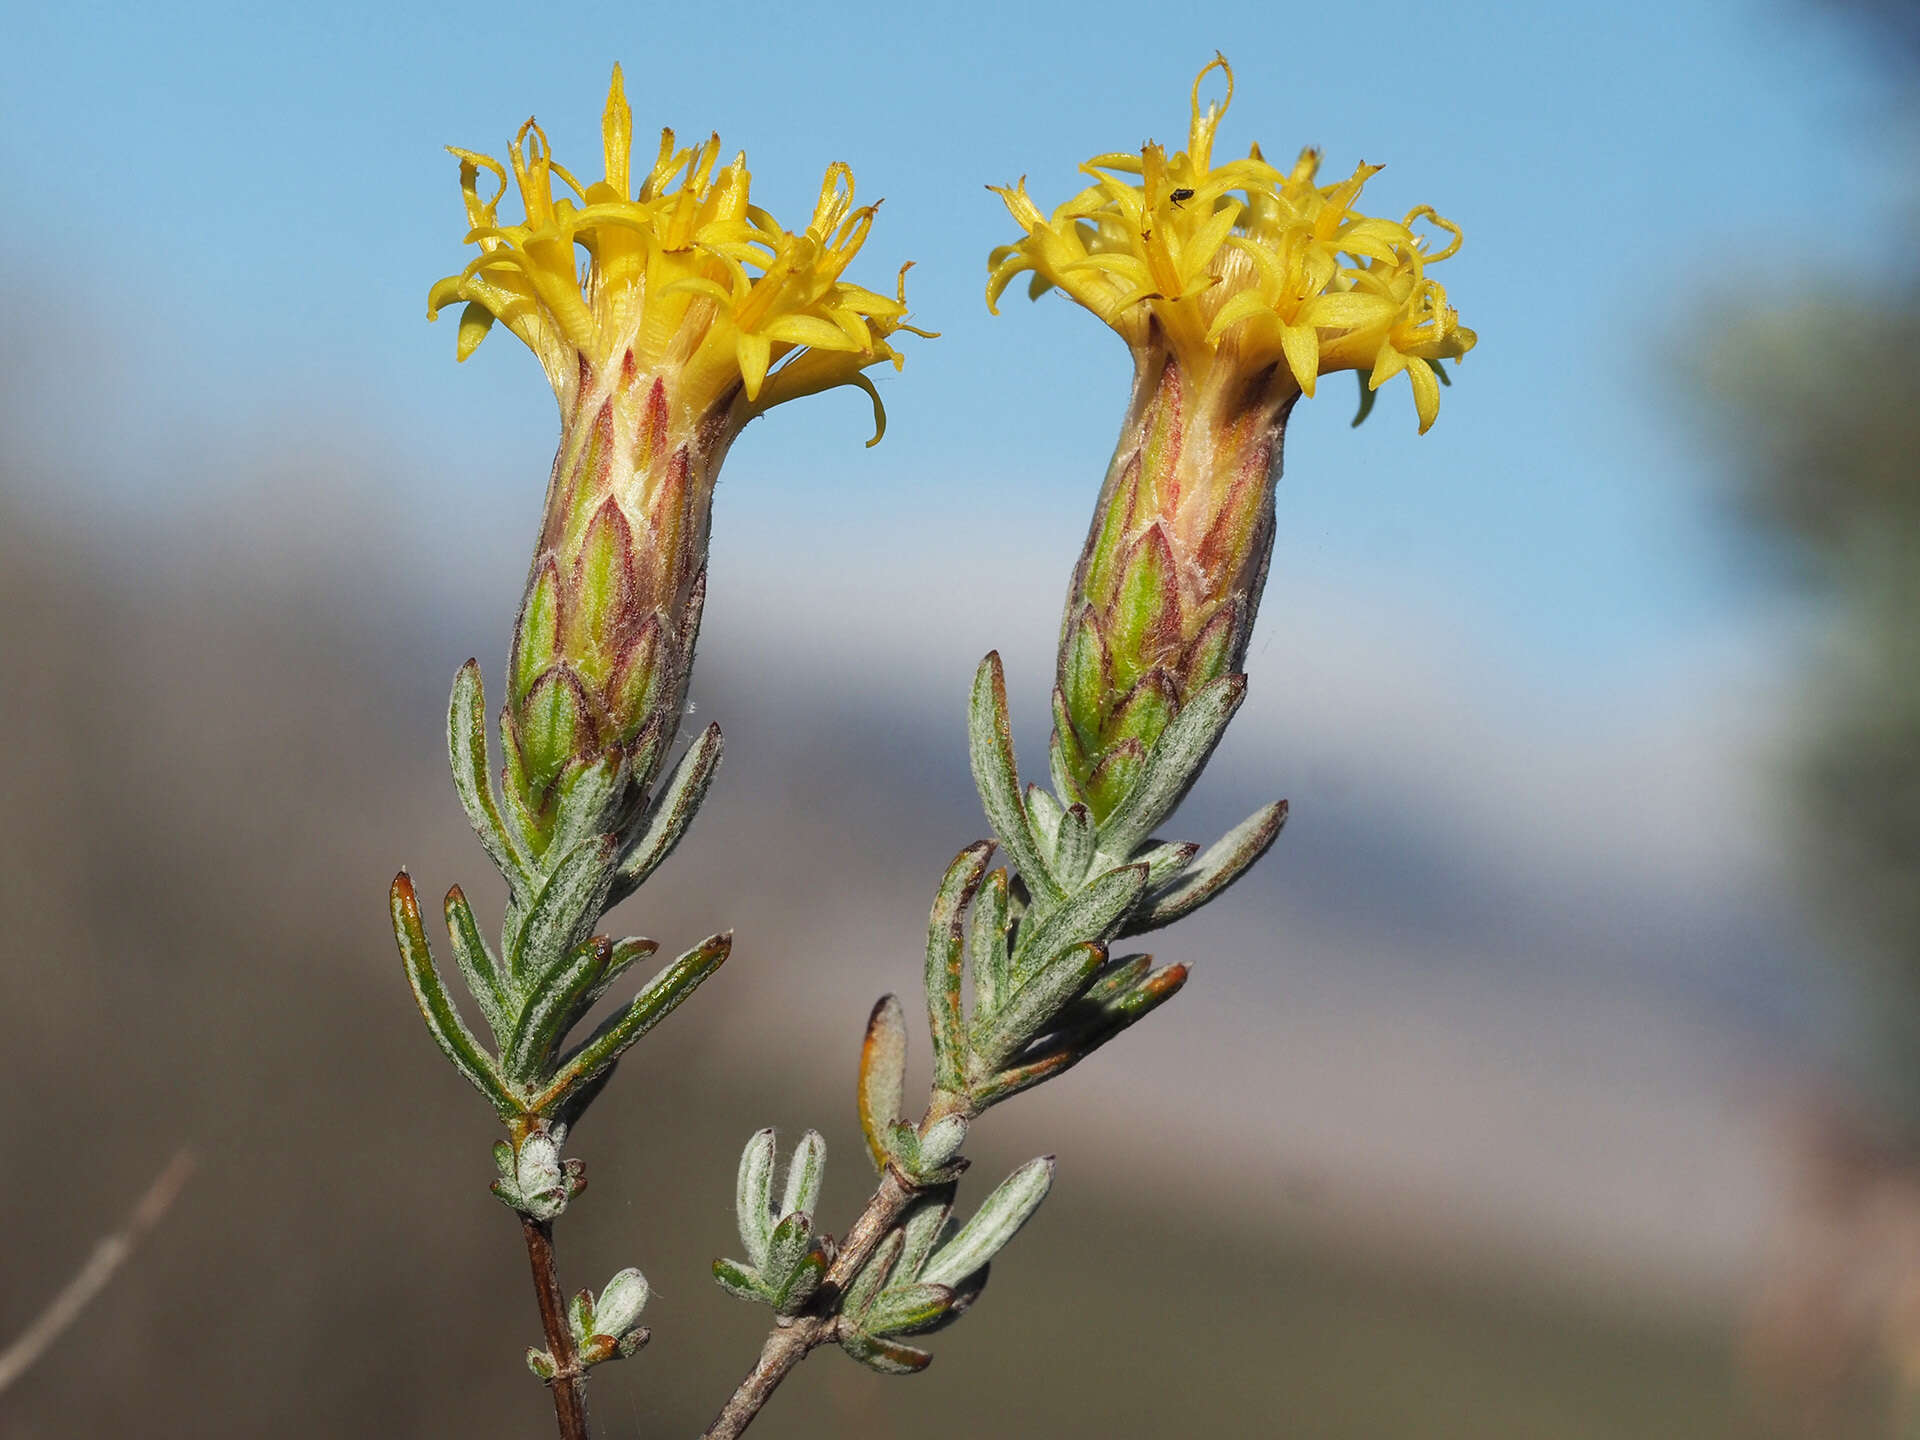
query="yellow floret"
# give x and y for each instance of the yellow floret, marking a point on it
(1243, 266)
(683, 277)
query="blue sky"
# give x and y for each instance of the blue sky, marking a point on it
(249, 203)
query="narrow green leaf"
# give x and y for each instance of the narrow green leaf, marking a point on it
(997, 777)
(904, 1309)
(449, 1031)
(1164, 862)
(1085, 673)
(738, 1280)
(552, 1007)
(883, 1070)
(1089, 913)
(946, 955)
(873, 1277)
(477, 965)
(787, 1245)
(790, 1296)
(1225, 861)
(889, 1357)
(1044, 811)
(1066, 759)
(993, 1225)
(1119, 1009)
(1073, 849)
(586, 797)
(589, 1064)
(1003, 1084)
(580, 1317)
(566, 908)
(626, 954)
(467, 754)
(806, 1171)
(927, 1224)
(1119, 976)
(987, 945)
(536, 632)
(671, 813)
(1042, 996)
(753, 1198)
(1172, 765)
(942, 1142)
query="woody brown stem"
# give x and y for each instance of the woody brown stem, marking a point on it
(569, 1383)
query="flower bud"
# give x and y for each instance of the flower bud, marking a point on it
(618, 1309)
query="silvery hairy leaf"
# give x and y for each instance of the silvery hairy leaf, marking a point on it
(477, 965)
(1224, 862)
(1172, 765)
(449, 1031)
(946, 954)
(889, 1357)
(997, 777)
(883, 1069)
(1073, 847)
(551, 1009)
(1088, 914)
(588, 795)
(996, 1222)
(753, 1197)
(787, 1244)
(1165, 862)
(1044, 812)
(942, 1142)
(563, 911)
(1031, 1007)
(927, 1224)
(806, 1170)
(904, 1309)
(589, 1063)
(987, 955)
(467, 753)
(669, 815)
(740, 1281)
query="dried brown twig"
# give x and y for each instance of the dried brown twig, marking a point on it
(108, 1256)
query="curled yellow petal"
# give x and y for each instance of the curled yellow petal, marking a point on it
(682, 278)
(1242, 268)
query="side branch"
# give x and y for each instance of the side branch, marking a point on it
(569, 1383)
(790, 1342)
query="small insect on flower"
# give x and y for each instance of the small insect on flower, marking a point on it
(1241, 267)
(1237, 285)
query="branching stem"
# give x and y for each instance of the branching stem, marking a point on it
(791, 1341)
(569, 1383)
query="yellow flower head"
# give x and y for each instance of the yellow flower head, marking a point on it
(1240, 266)
(684, 277)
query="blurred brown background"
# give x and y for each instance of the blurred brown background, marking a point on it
(337, 1267)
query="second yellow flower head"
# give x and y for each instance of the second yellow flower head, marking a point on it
(1242, 265)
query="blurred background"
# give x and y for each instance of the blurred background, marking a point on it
(1558, 1074)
